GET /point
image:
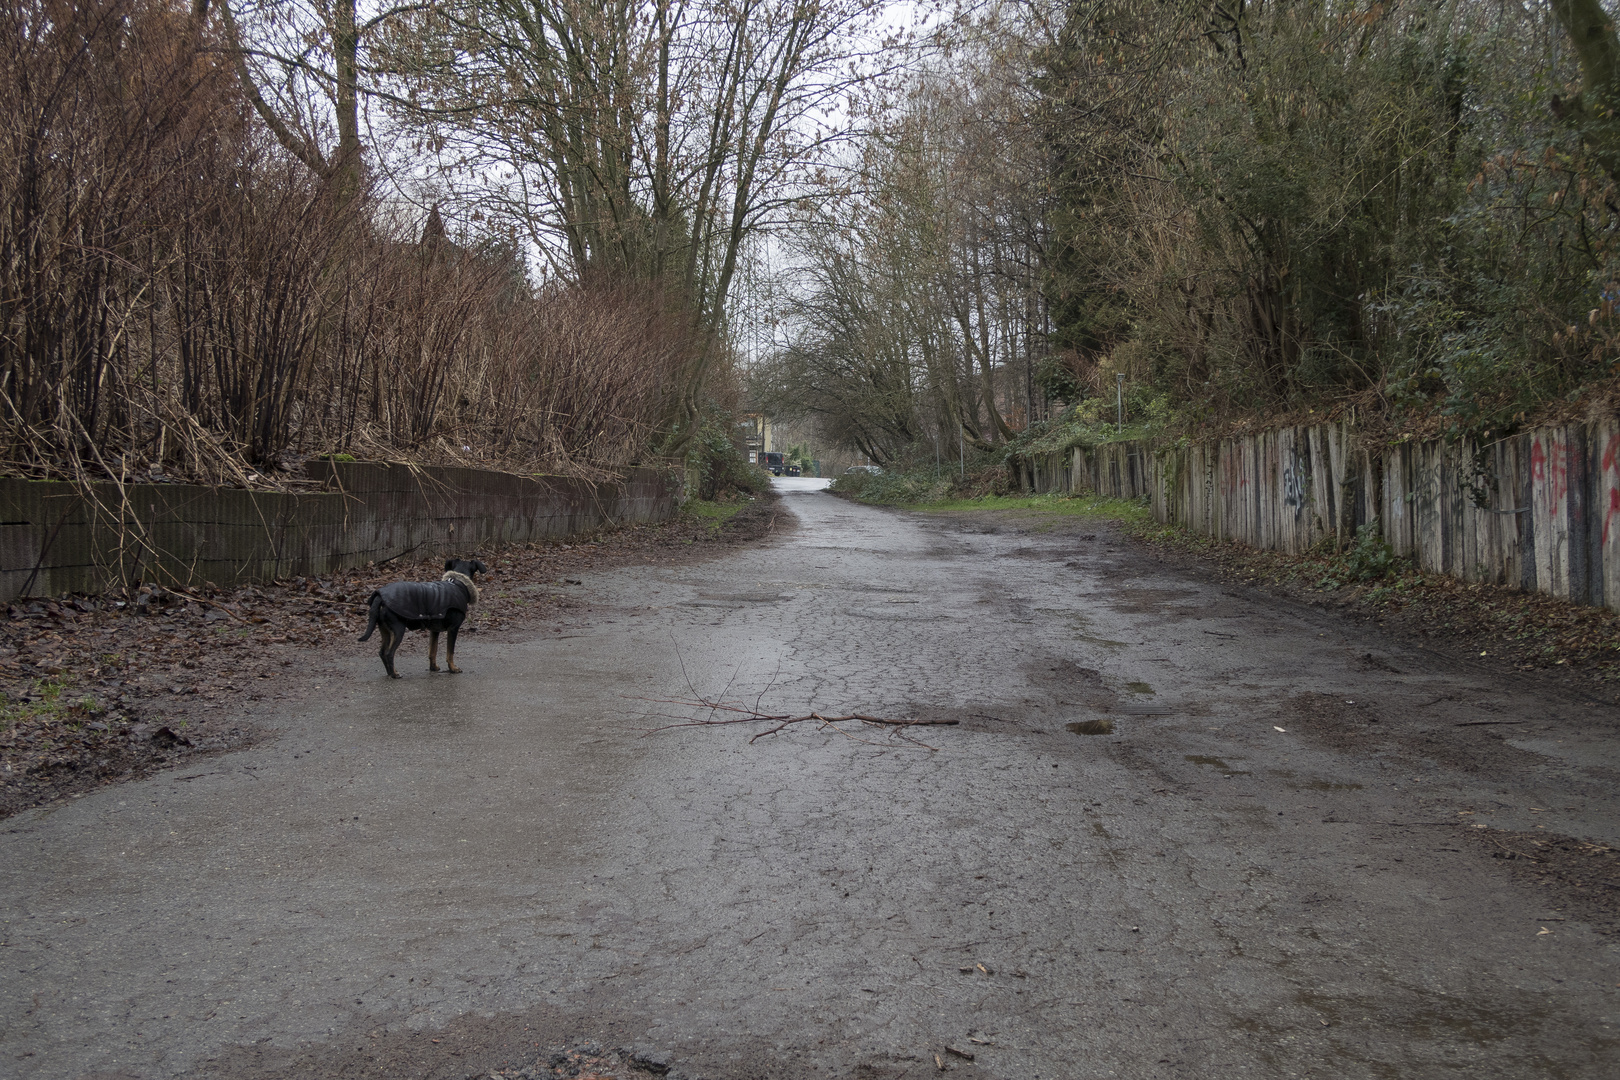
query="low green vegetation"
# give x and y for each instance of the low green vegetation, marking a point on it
(712, 513)
(1369, 558)
(46, 701)
(943, 490)
(1129, 511)
(716, 465)
(1092, 423)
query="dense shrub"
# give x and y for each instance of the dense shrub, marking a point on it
(181, 297)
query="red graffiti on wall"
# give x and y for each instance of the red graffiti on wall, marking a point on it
(1551, 469)
(1611, 483)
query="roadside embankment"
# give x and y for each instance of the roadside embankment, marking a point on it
(100, 689)
(58, 538)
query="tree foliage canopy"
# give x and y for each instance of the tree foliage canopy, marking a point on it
(1246, 209)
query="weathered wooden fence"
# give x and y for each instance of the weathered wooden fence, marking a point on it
(57, 538)
(1540, 510)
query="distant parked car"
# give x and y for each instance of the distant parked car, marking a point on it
(872, 470)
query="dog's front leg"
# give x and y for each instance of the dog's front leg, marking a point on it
(433, 651)
(450, 645)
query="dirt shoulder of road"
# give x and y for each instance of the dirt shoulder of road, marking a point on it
(1511, 630)
(102, 689)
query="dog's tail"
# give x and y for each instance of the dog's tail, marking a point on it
(371, 624)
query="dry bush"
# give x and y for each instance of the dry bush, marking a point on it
(164, 287)
(181, 299)
(100, 104)
(576, 377)
(452, 359)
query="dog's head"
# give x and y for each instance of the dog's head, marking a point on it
(466, 566)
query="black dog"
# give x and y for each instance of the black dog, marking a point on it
(434, 606)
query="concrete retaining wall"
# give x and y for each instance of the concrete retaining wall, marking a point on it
(55, 539)
(1540, 510)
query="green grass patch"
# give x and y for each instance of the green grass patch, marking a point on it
(47, 702)
(941, 491)
(1130, 511)
(712, 514)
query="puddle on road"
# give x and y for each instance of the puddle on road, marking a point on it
(1217, 763)
(1092, 727)
(1325, 785)
(1139, 688)
(1518, 1028)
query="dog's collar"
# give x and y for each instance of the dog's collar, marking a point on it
(465, 582)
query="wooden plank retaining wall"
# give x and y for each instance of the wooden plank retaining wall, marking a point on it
(1539, 511)
(56, 539)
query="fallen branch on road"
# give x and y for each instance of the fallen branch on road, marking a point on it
(782, 721)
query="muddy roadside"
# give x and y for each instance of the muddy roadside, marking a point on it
(102, 689)
(1572, 646)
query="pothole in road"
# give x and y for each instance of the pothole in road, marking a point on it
(1139, 688)
(1217, 763)
(1103, 726)
(731, 599)
(1092, 639)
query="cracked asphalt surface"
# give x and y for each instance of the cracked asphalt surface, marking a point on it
(1277, 863)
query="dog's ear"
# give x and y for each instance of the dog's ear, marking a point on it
(449, 564)
(479, 567)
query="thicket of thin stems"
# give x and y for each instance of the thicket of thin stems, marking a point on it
(181, 299)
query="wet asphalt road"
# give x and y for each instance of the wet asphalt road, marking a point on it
(1197, 894)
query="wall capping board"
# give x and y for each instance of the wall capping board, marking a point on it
(56, 538)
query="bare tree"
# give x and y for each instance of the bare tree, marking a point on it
(642, 139)
(929, 266)
(306, 68)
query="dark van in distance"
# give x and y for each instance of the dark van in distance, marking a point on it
(772, 461)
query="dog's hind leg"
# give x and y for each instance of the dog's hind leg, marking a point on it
(433, 651)
(391, 638)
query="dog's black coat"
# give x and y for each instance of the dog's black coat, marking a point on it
(435, 606)
(423, 601)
